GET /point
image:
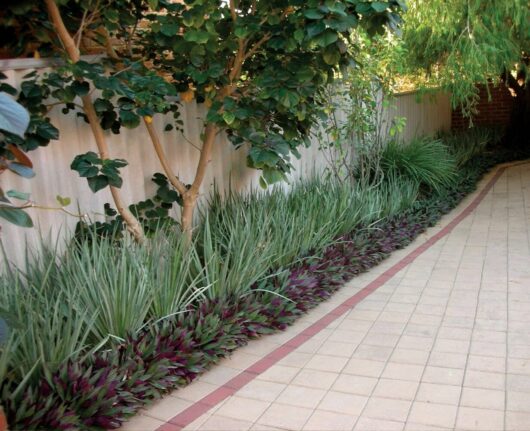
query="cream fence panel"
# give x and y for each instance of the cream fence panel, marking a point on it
(425, 115)
(228, 167)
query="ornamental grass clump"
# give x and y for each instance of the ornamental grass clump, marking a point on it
(234, 257)
(291, 225)
(284, 227)
(175, 276)
(112, 284)
(467, 144)
(46, 329)
(423, 160)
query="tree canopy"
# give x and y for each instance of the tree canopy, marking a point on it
(456, 44)
(258, 66)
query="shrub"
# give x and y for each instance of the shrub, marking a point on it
(466, 144)
(423, 160)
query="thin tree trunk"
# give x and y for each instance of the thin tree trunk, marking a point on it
(186, 218)
(71, 49)
(191, 195)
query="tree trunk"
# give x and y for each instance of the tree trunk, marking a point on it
(133, 226)
(517, 130)
(191, 195)
(186, 219)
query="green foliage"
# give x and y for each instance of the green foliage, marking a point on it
(459, 43)
(109, 283)
(14, 121)
(154, 215)
(99, 173)
(46, 328)
(304, 221)
(235, 257)
(175, 276)
(425, 161)
(470, 143)
(14, 215)
(40, 131)
(4, 331)
(127, 92)
(104, 290)
(355, 127)
(260, 68)
(66, 303)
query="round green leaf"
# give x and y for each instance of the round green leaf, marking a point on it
(331, 55)
(379, 6)
(228, 117)
(63, 201)
(313, 14)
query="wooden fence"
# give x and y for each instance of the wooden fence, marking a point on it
(228, 168)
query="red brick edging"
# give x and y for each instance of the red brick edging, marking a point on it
(202, 406)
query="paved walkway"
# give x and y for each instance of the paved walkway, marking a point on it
(442, 341)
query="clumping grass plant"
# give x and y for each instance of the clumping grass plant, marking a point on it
(470, 143)
(174, 275)
(47, 329)
(234, 258)
(311, 216)
(423, 160)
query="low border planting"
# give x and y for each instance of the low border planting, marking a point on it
(106, 387)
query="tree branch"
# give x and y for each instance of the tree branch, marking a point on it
(233, 12)
(173, 179)
(238, 62)
(31, 204)
(79, 34)
(111, 52)
(206, 155)
(88, 107)
(257, 45)
(64, 36)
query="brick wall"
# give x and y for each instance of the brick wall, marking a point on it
(494, 112)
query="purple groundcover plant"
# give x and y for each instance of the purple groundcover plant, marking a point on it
(108, 387)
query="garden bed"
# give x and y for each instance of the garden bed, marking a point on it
(102, 388)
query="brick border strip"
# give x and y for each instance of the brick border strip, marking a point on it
(202, 406)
